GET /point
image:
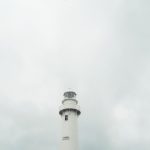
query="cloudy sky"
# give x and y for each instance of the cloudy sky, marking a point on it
(100, 49)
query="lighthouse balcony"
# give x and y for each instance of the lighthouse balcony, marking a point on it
(64, 108)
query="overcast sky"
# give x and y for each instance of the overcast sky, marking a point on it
(98, 48)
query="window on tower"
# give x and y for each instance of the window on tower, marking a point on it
(66, 117)
(65, 138)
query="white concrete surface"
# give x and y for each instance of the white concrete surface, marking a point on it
(70, 110)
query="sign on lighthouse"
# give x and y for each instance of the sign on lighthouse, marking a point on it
(69, 111)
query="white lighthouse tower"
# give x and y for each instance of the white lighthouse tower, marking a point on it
(69, 111)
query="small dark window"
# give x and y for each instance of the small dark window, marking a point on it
(65, 138)
(66, 117)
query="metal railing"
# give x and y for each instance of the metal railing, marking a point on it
(77, 107)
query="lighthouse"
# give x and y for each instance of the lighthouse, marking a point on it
(69, 112)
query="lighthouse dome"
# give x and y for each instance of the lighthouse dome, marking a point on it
(70, 94)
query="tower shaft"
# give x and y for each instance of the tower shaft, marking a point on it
(69, 111)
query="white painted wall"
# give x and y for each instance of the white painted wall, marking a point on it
(69, 127)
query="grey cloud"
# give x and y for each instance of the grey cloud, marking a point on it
(99, 49)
